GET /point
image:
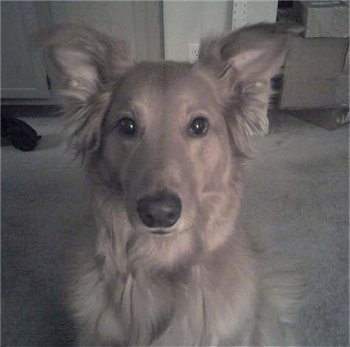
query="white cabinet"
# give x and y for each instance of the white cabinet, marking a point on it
(23, 73)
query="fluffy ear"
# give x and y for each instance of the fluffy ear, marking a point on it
(86, 58)
(90, 62)
(245, 61)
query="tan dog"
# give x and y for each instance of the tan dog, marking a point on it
(163, 145)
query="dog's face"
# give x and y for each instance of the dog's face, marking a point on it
(166, 140)
(169, 137)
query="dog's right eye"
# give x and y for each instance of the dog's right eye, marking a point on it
(127, 126)
(198, 127)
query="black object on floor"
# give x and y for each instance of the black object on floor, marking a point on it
(19, 133)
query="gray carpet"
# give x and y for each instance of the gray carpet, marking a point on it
(296, 199)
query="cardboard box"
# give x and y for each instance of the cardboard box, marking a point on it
(342, 90)
(326, 118)
(346, 64)
(324, 18)
(312, 71)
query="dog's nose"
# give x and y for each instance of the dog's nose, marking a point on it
(159, 210)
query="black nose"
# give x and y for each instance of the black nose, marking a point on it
(159, 210)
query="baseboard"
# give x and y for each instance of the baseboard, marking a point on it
(30, 111)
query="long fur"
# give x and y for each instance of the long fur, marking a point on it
(204, 282)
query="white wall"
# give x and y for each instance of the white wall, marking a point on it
(189, 21)
(261, 11)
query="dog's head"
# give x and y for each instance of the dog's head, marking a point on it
(169, 137)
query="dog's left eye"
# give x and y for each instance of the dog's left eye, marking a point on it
(198, 126)
(127, 126)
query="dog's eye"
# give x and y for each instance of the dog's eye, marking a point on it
(198, 126)
(127, 126)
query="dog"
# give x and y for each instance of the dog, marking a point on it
(164, 146)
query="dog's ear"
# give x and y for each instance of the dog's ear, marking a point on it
(90, 63)
(245, 61)
(87, 58)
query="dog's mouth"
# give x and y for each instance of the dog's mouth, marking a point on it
(160, 232)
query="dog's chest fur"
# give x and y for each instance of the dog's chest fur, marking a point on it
(186, 308)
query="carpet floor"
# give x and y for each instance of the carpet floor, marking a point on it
(296, 200)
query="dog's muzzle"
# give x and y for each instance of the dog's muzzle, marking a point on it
(159, 210)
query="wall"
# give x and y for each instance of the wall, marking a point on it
(109, 17)
(137, 22)
(261, 11)
(189, 21)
